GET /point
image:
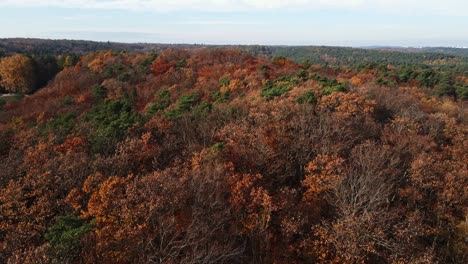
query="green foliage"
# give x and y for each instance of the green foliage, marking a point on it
(307, 98)
(185, 104)
(303, 75)
(428, 78)
(336, 88)
(65, 237)
(124, 77)
(133, 95)
(67, 101)
(163, 101)
(219, 97)
(2, 103)
(215, 95)
(306, 64)
(445, 89)
(202, 109)
(61, 126)
(46, 67)
(358, 57)
(405, 74)
(113, 70)
(181, 64)
(149, 60)
(99, 92)
(329, 85)
(224, 82)
(462, 92)
(278, 87)
(324, 81)
(218, 145)
(69, 60)
(109, 120)
(288, 79)
(264, 71)
(384, 81)
(271, 90)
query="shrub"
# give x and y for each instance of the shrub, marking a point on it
(223, 82)
(149, 60)
(124, 77)
(112, 70)
(307, 98)
(337, 88)
(445, 89)
(306, 64)
(218, 145)
(271, 90)
(61, 126)
(185, 104)
(219, 97)
(181, 64)
(163, 101)
(302, 75)
(65, 236)
(67, 101)
(278, 87)
(109, 120)
(99, 92)
(202, 109)
(462, 92)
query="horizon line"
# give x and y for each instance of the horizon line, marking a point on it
(389, 46)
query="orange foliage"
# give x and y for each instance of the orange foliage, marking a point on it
(253, 202)
(99, 62)
(347, 104)
(324, 173)
(371, 175)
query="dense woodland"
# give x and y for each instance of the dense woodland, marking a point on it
(214, 155)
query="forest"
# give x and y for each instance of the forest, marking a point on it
(234, 154)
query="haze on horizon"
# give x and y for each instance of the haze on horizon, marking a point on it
(268, 22)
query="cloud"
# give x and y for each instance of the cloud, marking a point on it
(434, 7)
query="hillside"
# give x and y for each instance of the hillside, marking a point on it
(42, 47)
(206, 155)
(397, 56)
(441, 50)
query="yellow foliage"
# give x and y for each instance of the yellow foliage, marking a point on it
(99, 63)
(347, 104)
(17, 74)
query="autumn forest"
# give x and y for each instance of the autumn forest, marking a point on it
(203, 154)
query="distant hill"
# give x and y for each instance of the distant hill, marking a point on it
(313, 54)
(440, 50)
(43, 47)
(354, 56)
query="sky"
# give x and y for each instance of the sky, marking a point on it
(265, 22)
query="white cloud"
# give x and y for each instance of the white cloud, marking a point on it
(447, 7)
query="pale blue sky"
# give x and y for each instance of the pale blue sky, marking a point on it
(275, 22)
